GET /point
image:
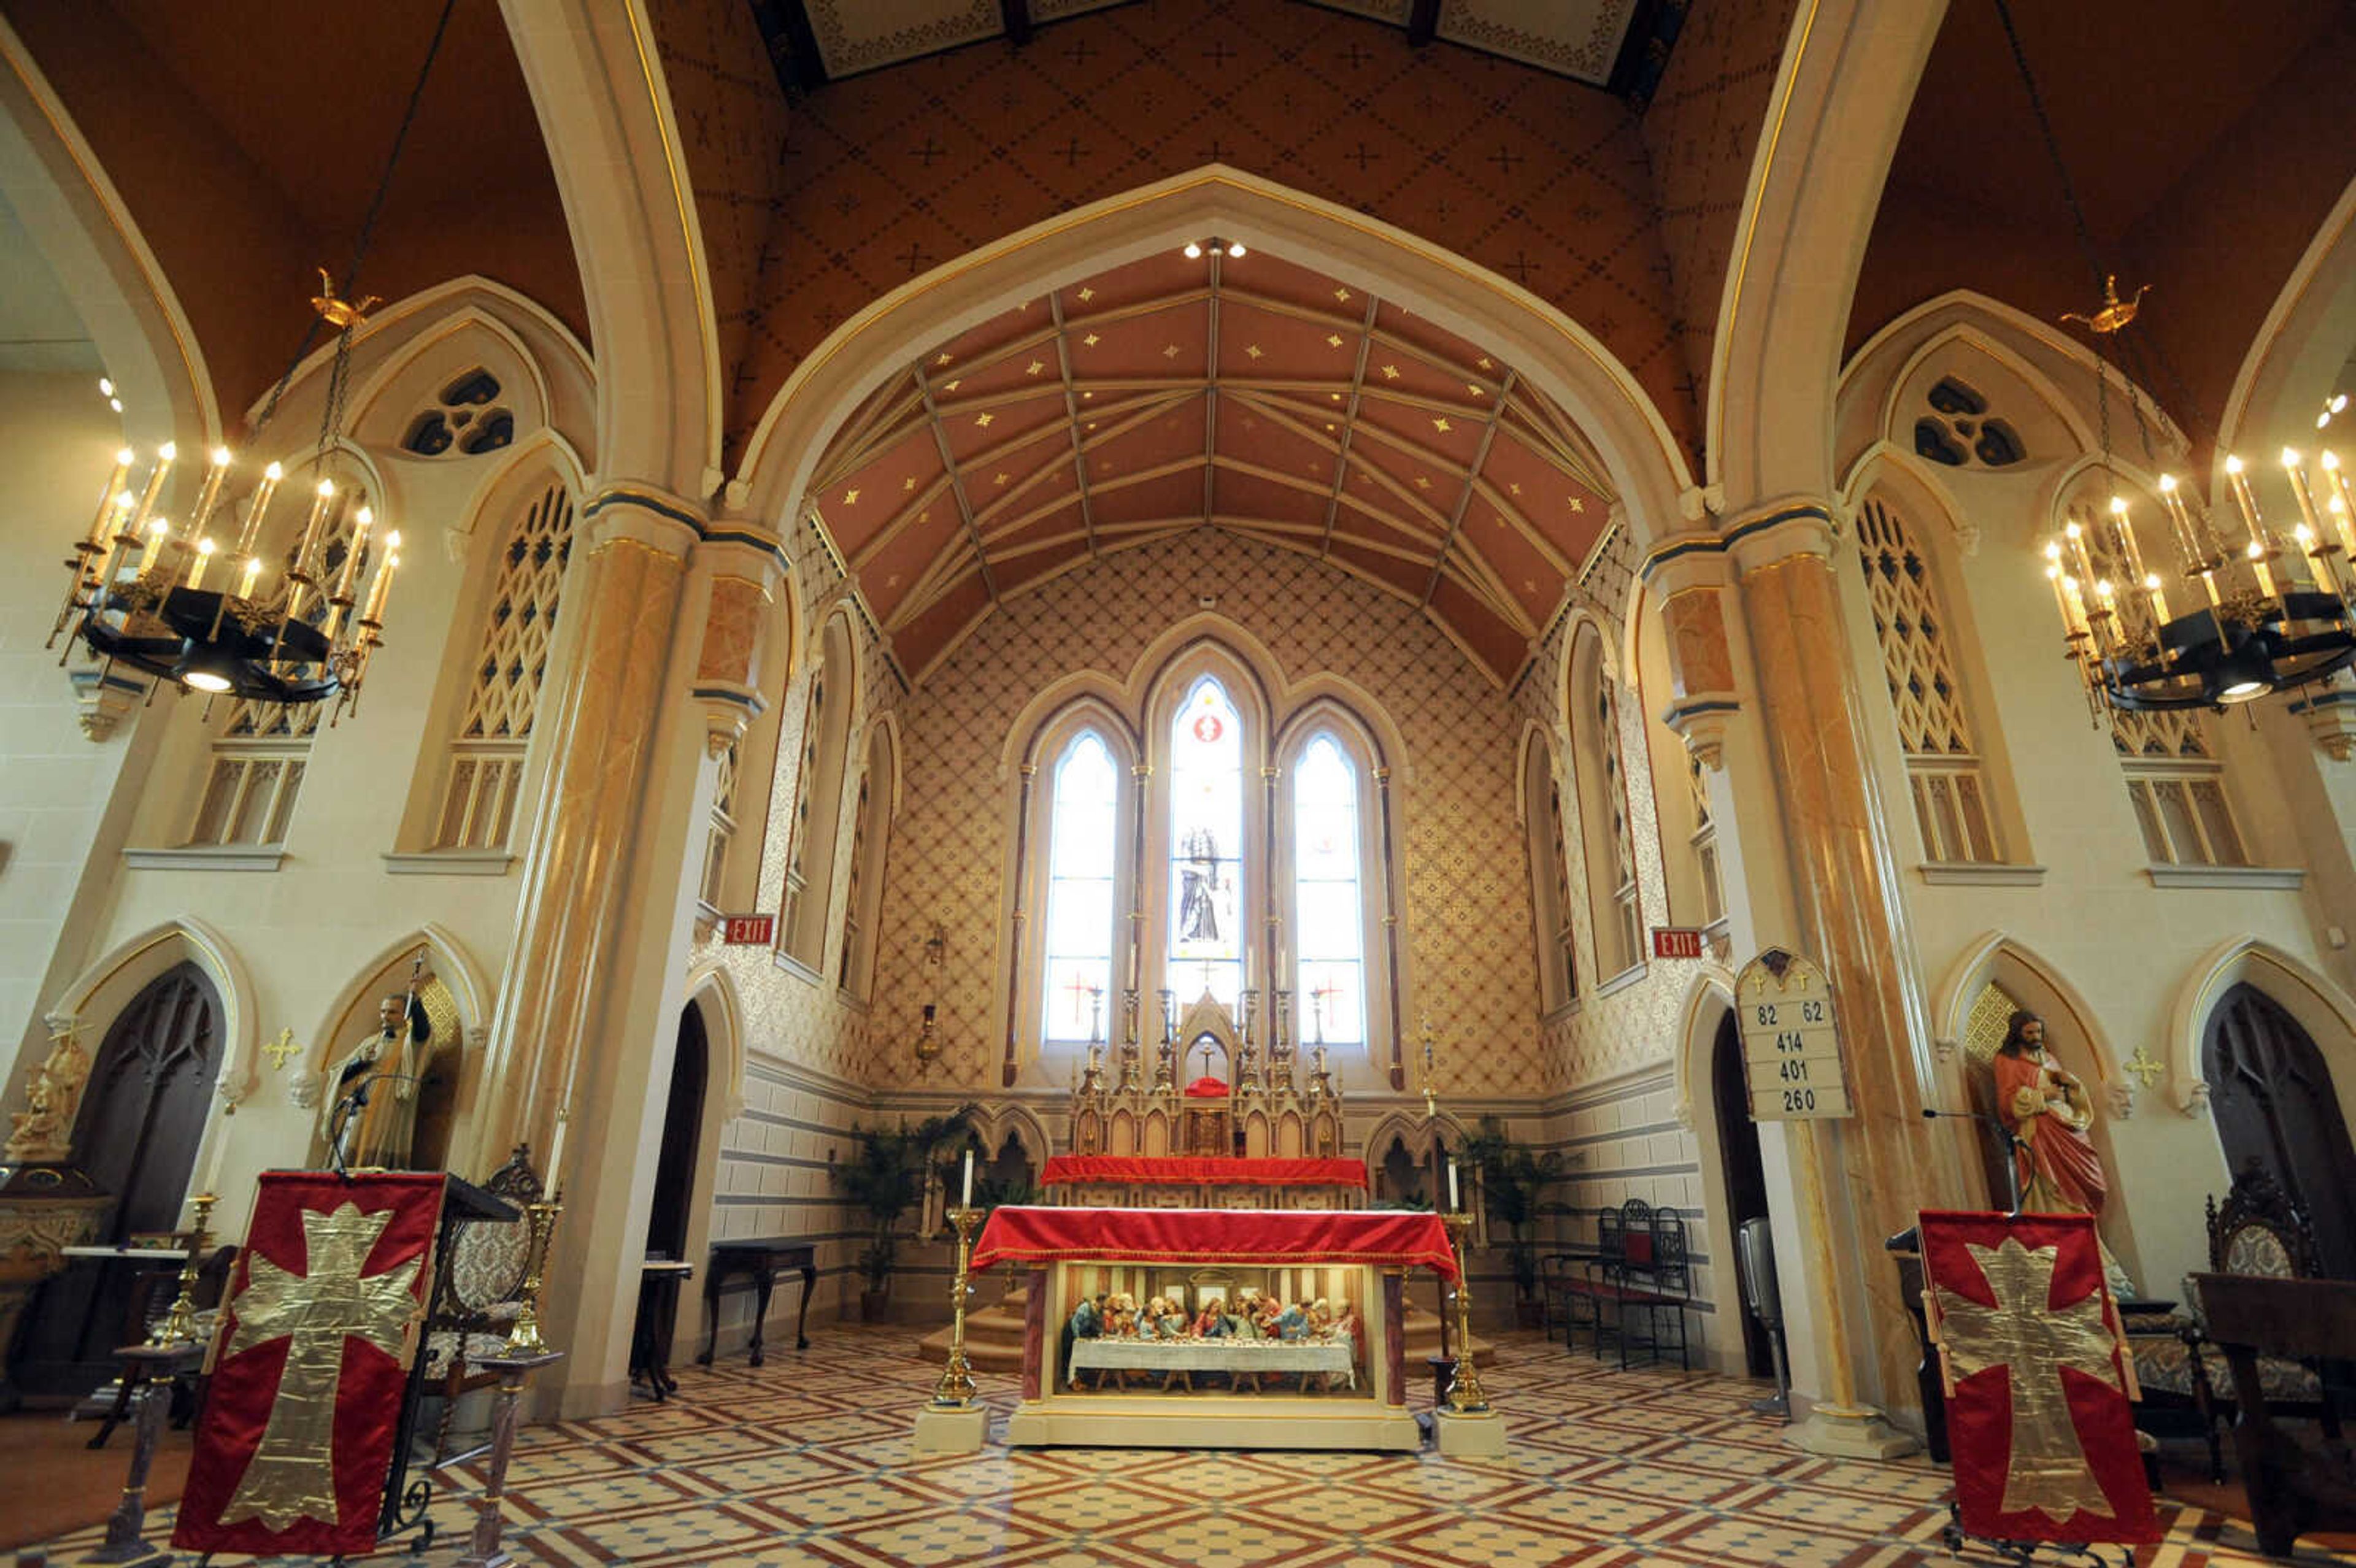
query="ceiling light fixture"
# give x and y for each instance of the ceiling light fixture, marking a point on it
(295, 640)
(2271, 614)
(1194, 248)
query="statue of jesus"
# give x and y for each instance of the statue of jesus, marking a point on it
(2048, 1110)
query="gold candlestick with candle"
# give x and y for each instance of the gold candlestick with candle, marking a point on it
(1465, 1394)
(523, 1339)
(956, 1388)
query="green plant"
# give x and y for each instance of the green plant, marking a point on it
(886, 1178)
(1515, 1178)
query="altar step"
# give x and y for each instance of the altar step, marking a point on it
(993, 1338)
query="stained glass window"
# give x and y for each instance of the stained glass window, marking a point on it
(1083, 841)
(1206, 832)
(1328, 917)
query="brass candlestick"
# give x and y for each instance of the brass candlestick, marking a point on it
(1465, 1395)
(179, 1325)
(955, 1390)
(524, 1338)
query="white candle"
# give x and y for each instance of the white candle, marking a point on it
(1453, 1206)
(556, 1149)
(220, 1147)
(359, 547)
(253, 508)
(382, 589)
(203, 558)
(967, 1200)
(153, 551)
(210, 493)
(324, 495)
(163, 455)
(252, 571)
(98, 527)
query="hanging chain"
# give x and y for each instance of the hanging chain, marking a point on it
(360, 251)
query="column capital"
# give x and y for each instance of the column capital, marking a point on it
(668, 524)
(1779, 531)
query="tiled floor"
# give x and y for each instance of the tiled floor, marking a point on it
(807, 1462)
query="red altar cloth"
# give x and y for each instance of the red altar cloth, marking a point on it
(1215, 1236)
(1181, 1170)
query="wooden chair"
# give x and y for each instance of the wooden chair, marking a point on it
(481, 1292)
(2293, 1487)
(2257, 1231)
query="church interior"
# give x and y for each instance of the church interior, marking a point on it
(1178, 781)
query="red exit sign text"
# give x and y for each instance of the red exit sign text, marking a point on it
(1677, 942)
(749, 930)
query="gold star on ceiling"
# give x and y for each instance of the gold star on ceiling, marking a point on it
(982, 421)
(1440, 425)
(1170, 351)
(1476, 392)
(1516, 486)
(1090, 341)
(1422, 483)
(850, 497)
(1253, 349)
(1390, 372)
(1035, 366)
(1576, 504)
(1342, 294)
(944, 358)
(1001, 477)
(908, 486)
(1333, 340)
(1484, 363)
(1087, 295)
(893, 581)
(953, 386)
(925, 515)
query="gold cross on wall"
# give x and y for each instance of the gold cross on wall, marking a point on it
(282, 1048)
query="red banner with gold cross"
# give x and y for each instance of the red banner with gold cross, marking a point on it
(2037, 1382)
(315, 1335)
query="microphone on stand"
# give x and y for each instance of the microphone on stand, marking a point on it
(2012, 1141)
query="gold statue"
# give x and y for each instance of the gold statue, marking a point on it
(371, 1104)
(43, 1131)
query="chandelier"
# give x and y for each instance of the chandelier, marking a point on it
(2261, 614)
(207, 609)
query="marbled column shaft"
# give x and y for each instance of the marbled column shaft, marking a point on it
(1034, 1333)
(1853, 917)
(582, 836)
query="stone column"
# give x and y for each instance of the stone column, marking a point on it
(1852, 918)
(575, 865)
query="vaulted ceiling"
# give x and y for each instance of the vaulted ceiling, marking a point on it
(1244, 393)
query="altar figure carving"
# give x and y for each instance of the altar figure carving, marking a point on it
(368, 1108)
(2047, 1108)
(43, 1131)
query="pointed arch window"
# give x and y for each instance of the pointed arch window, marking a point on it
(261, 748)
(1329, 908)
(1082, 875)
(486, 755)
(1602, 783)
(817, 799)
(1945, 772)
(1206, 844)
(863, 904)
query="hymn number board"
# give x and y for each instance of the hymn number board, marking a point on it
(1791, 1044)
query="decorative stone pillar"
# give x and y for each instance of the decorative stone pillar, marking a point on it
(746, 581)
(1853, 919)
(577, 858)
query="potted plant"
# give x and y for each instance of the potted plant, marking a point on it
(884, 1177)
(1515, 1178)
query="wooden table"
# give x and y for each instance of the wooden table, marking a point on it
(757, 1262)
(2292, 1488)
(659, 1283)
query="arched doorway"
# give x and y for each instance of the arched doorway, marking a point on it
(142, 1117)
(683, 1131)
(2272, 1095)
(1744, 1173)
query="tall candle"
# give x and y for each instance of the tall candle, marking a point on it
(320, 498)
(245, 581)
(163, 455)
(158, 532)
(352, 554)
(253, 508)
(221, 1126)
(2126, 531)
(382, 589)
(97, 524)
(966, 1200)
(1453, 1206)
(217, 471)
(2248, 503)
(556, 1146)
(201, 559)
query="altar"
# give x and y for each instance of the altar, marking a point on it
(1215, 1327)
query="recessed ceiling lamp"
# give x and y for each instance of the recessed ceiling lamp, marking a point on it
(2259, 617)
(140, 595)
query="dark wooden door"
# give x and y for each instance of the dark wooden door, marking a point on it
(682, 1132)
(2273, 1099)
(141, 1118)
(1746, 1180)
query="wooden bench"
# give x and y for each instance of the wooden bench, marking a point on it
(2293, 1487)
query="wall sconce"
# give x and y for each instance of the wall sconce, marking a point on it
(928, 1042)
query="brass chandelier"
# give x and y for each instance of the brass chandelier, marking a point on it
(2266, 612)
(216, 614)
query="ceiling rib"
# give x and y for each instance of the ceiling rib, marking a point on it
(1464, 497)
(956, 485)
(1072, 413)
(1210, 387)
(1349, 422)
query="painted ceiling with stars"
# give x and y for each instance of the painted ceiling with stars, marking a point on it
(1245, 393)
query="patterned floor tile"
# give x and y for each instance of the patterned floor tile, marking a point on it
(807, 1462)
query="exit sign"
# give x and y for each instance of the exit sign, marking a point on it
(749, 930)
(1677, 942)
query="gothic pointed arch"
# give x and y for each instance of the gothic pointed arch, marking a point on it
(103, 987)
(2323, 1010)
